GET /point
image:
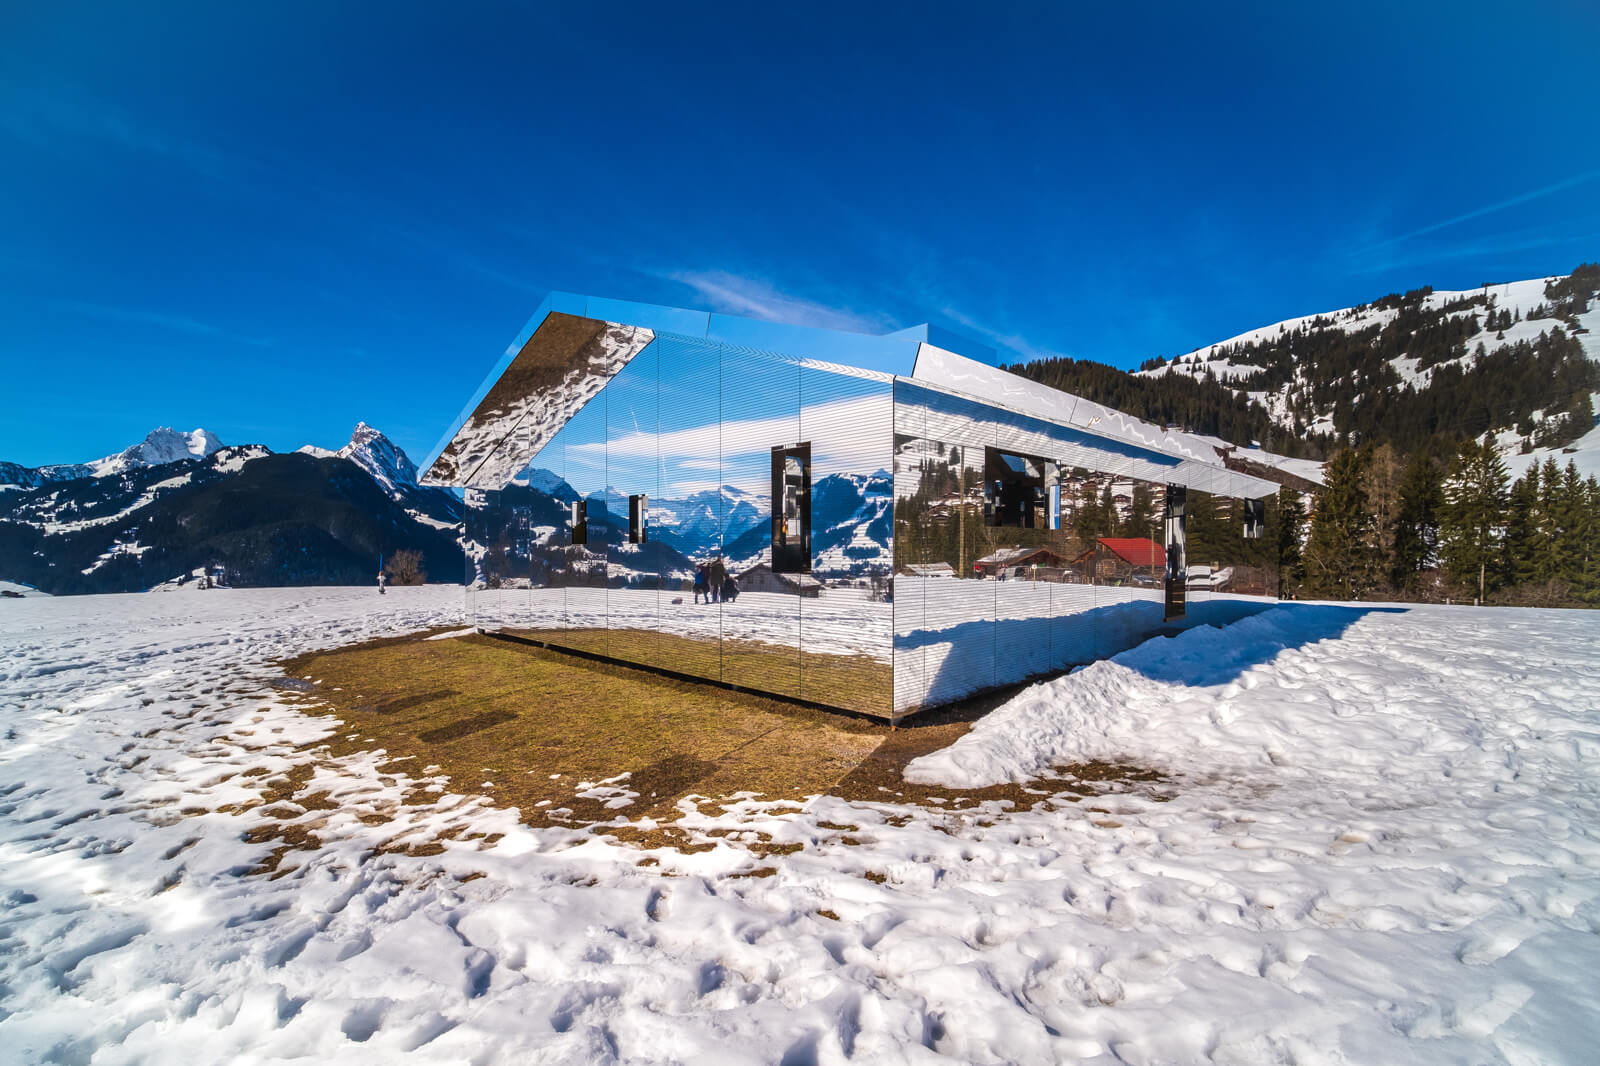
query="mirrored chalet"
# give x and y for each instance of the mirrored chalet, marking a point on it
(739, 502)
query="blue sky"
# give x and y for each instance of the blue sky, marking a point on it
(279, 220)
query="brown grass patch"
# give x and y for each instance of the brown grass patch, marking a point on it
(537, 729)
(850, 682)
(537, 726)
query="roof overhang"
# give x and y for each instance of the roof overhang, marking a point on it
(1189, 460)
(562, 366)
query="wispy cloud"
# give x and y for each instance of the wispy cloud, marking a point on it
(1008, 342)
(739, 295)
(44, 118)
(134, 316)
(743, 446)
(1480, 212)
(1486, 246)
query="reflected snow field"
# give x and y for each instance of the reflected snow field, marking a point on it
(1381, 845)
(842, 621)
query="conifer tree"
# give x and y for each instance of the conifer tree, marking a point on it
(1108, 512)
(1141, 511)
(1472, 517)
(1576, 520)
(1522, 536)
(1584, 561)
(1384, 501)
(1088, 522)
(1291, 526)
(1338, 553)
(1416, 538)
(1551, 516)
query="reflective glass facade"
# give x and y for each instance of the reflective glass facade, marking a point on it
(628, 480)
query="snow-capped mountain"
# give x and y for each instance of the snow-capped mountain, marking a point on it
(382, 458)
(162, 445)
(713, 516)
(176, 501)
(1520, 359)
(394, 472)
(526, 531)
(550, 483)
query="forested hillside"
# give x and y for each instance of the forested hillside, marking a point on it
(1418, 401)
(1201, 405)
(1418, 370)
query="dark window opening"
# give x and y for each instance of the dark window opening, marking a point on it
(1013, 489)
(1255, 519)
(580, 521)
(638, 509)
(791, 509)
(1177, 536)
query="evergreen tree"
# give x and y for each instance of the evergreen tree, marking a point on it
(1551, 516)
(1141, 511)
(1088, 522)
(1472, 517)
(1584, 561)
(1206, 539)
(1339, 561)
(1576, 520)
(1291, 526)
(1522, 534)
(1416, 537)
(1384, 473)
(1109, 519)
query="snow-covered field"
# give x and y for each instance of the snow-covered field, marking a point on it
(1379, 842)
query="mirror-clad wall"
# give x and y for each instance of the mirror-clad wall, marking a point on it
(1023, 547)
(692, 425)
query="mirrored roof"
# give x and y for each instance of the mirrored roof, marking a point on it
(573, 345)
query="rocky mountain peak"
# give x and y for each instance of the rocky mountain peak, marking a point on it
(162, 445)
(380, 457)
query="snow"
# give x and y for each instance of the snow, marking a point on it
(1377, 843)
(387, 464)
(162, 445)
(1308, 469)
(1518, 297)
(841, 621)
(19, 589)
(428, 520)
(118, 547)
(1584, 452)
(232, 460)
(453, 633)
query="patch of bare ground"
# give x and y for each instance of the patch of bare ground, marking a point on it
(598, 747)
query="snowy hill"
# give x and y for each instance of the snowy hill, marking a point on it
(1520, 359)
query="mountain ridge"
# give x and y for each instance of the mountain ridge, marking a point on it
(1525, 353)
(176, 502)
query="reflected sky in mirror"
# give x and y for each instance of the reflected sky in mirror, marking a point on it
(687, 432)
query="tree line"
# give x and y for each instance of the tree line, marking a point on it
(1436, 528)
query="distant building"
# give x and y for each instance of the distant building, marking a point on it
(760, 578)
(1008, 561)
(1122, 560)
